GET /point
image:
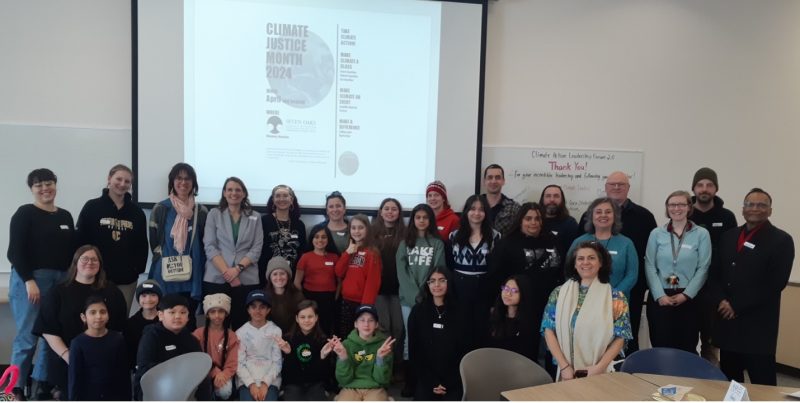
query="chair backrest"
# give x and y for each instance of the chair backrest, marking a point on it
(176, 378)
(486, 372)
(671, 361)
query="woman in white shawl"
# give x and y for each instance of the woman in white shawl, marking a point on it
(586, 321)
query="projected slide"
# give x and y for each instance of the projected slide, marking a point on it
(319, 98)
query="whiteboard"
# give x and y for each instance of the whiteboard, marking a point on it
(580, 172)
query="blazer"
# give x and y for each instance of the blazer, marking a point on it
(218, 241)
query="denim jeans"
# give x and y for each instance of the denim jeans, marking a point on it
(245, 396)
(25, 315)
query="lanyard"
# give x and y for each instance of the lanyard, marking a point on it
(676, 251)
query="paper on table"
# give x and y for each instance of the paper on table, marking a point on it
(736, 393)
(795, 395)
(674, 392)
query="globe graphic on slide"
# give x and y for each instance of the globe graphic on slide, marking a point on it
(310, 81)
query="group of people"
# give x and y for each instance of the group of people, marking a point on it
(352, 303)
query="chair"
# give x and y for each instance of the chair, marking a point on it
(671, 361)
(486, 372)
(176, 379)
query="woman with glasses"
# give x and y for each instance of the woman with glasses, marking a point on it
(513, 322)
(40, 247)
(586, 321)
(284, 233)
(436, 340)
(676, 265)
(60, 318)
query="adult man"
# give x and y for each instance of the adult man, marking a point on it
(556, 217)
(502, 209)
(709, 214)
(755, 261)
(637, 222)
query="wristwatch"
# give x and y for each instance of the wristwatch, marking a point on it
(240, 266)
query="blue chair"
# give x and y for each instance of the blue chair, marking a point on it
(673, 362)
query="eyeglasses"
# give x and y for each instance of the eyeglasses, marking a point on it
(437, 280)
(87, 259)
(510, 290)
(759, 205)
(677, 205)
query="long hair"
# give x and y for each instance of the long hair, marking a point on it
(99, 279)
(464, 231)
(562, 211)
(368, 242)
(388, 236)
(246, 207)
(294, 209)
(412, 231)
(316, 332)
(604, 275)
(615, 228)
(175, 171)
(226, 325)
(516, 224)
(330, 247)
(425, 293)
(499, 320)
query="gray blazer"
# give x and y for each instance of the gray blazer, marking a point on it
(218, 241)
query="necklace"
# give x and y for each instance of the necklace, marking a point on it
(284, 227)
(438, 312)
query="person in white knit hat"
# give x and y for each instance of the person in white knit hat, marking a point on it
(220, 342)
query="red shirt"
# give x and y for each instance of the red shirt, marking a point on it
(361, 276)
(318, 271)
(446, 222)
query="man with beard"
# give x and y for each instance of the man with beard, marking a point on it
(709, 214)
(556, 217)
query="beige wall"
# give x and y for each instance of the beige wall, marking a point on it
(788, 348)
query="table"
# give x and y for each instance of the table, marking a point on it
(715, 390)
(612, 386)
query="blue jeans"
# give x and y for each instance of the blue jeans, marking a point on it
(245, 396)
(25, 315)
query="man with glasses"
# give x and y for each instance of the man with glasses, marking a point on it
(637, 222)
(709, 214)
(755, 261)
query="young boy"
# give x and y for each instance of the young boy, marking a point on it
(167, 339)
(260, 358)
(364, 365)
(147, 294)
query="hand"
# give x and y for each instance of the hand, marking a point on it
(568, 373)
(665, 301)
(386, 348)
(678, 299)
(726, 310)
(34, 295)
(236, 282)
(254, 391)
(338, 348)
(326, 349)
(282, 344)
(440, 390)
(352, 248)
(220, 379)
(263, 389)
(230, 274)
(595, 370)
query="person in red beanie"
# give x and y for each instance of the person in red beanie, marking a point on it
(446, 218)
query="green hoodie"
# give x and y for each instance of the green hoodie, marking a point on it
(414, 264)
(362, 369)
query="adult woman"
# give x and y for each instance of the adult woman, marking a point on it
(388, 229)
(446, 219)
(586, 321)
(284, 233)
(513, 322)
(676, 265)
(232, 240)
(283, 295)
(117, 226)
(604, 228)
(176, 230)
(335, 209)
(60, 319)
(40, 247)
(470, 246)
(435, 340)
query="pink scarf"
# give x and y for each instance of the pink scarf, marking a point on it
(180, 229)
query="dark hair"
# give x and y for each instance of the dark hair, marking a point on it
(170, 301)
(99, 279)
(562, 211)
(176, 170)
(388, 236)
(247, 209)
(500, 323)
(759, 190)
(94, 298)
(330, 247)
(463, 233)
(425, 291)
(226, 325)
(41, 175)
(516, 223)
(411, 232)
(494, 166)
(119, 167)
(615, 228)
(684, 194)
(335, 195)
(369, 241)
(603, 275)
(316, 332)
(294, 209)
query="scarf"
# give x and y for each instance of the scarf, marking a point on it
(585, 344)
(180, 228)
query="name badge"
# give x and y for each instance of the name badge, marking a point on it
(340, 233)
(189, 229)
(528, 252)
(362, 352)
(328, 263)
(440, 228)
(749, 245)
(438, 326)
(716, 224)
(684, 246)
(62, 226)
(550, 250)
(612, 252)
(252, 217)
(554, 232)
(170, 347)
(293, 236)
(105, 221)
(362, 253)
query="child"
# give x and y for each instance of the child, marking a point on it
(364, 365)
(513, 324)
(93, 370)
(220, 342)
(359, 267)
(305, 364)
(316, 275)
(147, 294)
(167, 339)
(259, 370)
(282, 293)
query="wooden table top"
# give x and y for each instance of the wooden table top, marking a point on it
(612, 386)
(715, 390)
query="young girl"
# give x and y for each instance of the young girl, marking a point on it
(259, 371)
(94, 370)
(220, 342)
(417, 254)
(359, 267)
(513, 326)
(317, 278)
(305, 356)
(283, 295)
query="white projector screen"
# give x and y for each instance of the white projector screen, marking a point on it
(374, 98)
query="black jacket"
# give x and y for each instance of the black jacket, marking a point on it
(157, 345)
(716, 221)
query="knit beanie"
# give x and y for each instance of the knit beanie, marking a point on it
(438, 187)
(149, 287)
(217, 301)
(705, 173)
(278, 263)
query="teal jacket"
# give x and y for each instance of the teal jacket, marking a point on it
(362, 369)
(694, 257)
(624, 260)
(413, 265)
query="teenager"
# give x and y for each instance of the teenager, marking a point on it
(513, 322)
(446, 219)
(306, 366)
(283, 295)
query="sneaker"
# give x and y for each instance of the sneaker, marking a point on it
(19, 394)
